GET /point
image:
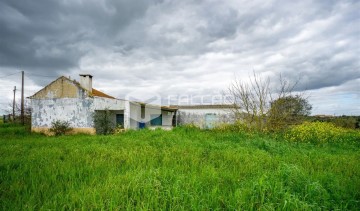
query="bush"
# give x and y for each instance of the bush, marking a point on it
(103, 122)
(321, 132)
(287, 111)
(59, 127)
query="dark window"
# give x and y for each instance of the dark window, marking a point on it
(156, 120)
(120, 119)
(142, 111)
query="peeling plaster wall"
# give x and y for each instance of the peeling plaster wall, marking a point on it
(65, 100)
(75, 110)
(101, 103)
(78, 111)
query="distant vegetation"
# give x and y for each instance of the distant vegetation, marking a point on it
(227, 168)
(351, 122)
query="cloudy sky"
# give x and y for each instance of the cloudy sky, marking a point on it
(184, 48)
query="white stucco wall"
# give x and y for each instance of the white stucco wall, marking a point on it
(206, 110)
(135, 115)
(135, 112)
(101, 103)
(197, 116)
(167, 117)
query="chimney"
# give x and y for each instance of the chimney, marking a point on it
(86, 82)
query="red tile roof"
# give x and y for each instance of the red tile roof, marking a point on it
(97, 93)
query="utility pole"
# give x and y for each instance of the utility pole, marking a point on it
(14, 104)
(22, 98)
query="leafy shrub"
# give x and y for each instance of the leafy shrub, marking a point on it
(287, 111)
(59, 127)
(103, 122)
(321, 132)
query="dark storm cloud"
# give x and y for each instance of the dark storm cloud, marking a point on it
(182, 46)
(54, 35)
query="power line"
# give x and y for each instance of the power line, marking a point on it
(9, 74)
(39, 75)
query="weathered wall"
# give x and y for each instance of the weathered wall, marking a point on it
(197, 116)
(101, 103)
(77, 111)
(61, 88)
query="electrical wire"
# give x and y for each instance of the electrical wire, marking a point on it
(47, 76)
(4, 76)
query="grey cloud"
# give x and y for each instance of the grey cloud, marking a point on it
(54, 35)
(182, 46)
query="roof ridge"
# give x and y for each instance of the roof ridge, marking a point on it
(76, 83)
(48, 85)
(99, 93)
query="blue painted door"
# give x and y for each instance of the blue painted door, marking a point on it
(210, 120)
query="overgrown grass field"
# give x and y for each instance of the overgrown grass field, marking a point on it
(182, 169)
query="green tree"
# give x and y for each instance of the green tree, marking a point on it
(288, 110)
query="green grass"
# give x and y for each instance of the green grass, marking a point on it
(183, 169)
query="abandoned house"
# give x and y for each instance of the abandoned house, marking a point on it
(68, 100)
(76, 102)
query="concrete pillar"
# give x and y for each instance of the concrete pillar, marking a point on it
(127, 115)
